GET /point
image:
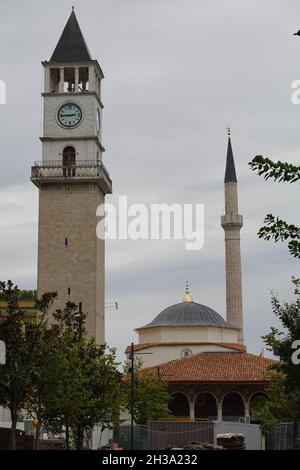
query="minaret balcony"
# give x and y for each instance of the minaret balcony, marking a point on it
(49, 172)
(232, 221)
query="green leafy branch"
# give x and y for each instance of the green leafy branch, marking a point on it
(279, 171)
(274, 227)
(277, 229)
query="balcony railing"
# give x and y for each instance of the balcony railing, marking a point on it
(85, 170)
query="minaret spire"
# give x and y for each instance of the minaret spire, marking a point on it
(232, 223)
(230, 174)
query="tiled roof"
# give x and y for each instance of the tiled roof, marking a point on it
(216, 367)
(142, 346)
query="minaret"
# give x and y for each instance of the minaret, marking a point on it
(72, 180)
(232, 223)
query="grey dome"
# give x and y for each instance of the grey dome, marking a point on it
(188, 314)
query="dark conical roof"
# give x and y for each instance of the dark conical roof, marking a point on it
(188, 314)
(71, 45)
(230, 174)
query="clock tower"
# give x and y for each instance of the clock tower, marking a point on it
(72, 180)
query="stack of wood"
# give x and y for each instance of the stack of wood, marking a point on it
(194, 445)
(231, 441)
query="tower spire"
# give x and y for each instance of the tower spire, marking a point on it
(71, 45)
(232, 223)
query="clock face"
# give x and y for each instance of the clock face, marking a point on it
(69, 115)
(186, 352)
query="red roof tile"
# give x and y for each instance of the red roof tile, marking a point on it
(216, 367)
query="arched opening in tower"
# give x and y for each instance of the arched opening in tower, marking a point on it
(69, 161)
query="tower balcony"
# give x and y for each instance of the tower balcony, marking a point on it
(54, 171)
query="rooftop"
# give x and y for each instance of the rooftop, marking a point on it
(71, 45)
(216, 367)
(188, 313)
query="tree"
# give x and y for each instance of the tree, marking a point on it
(274, 227)
(151, 396)
(15, 374)
(83, 383)
(281, 343)
(41, 341)
(60, 377)
(278, 407)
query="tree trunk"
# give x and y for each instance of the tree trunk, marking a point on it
(67, 434)
(79, 437)
(37, 436)
(14, 418)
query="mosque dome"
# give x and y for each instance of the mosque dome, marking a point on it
(188, 313)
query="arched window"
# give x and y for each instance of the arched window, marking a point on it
(179, 406)
(257, 402)
(206, 407)
(233, 407)
(69, 161)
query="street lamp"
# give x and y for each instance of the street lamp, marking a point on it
(79, 315)
(132, 397)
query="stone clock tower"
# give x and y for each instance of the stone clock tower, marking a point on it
(72, 180)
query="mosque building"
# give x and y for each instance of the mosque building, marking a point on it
(201, 356)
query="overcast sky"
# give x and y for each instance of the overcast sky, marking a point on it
(176, 71)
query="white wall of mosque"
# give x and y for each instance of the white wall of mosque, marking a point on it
(165, 353)
(187, 334)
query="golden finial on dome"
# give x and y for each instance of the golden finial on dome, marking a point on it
(187, 296)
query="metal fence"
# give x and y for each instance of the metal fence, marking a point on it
(165, 434)
(160, 435)
(122, 436)
(283, 436)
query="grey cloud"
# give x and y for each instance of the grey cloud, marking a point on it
(175, 73)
